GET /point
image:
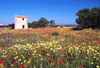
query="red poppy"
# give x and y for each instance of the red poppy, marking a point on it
(62, 62)
(86, 54)
(8, 54)
(63, 43)
(40, 51)
(99, 43)
(1, 62)
(30, 53)
(15, 65)
(1, 41)
(67, 51)
(65, 54)
(31, 58)
(80, 65)
(43, 52)
(63, 47)
(50, 59)
(36, 45)
(21, 65)
(56, 61)
(64, 58)
(82, 44)
(18, 62)
(26, 65)
(59, 54)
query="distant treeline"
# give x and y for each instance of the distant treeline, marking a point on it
(4, 26)
(42, 22)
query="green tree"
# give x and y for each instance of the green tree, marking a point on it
(12, 25)
(29, 24)
(34, 24)
(83, 17)
(43, 22)
(52, 22)
(94, 17)
(88, 17)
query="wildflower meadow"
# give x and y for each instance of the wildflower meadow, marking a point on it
(49, 48)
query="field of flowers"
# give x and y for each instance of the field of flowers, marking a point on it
(38, 48)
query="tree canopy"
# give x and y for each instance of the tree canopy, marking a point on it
(89, 18)
(52, 22)
(42, 22)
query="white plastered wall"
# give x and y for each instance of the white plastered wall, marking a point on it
(19, 23)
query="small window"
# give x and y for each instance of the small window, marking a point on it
(23, 19)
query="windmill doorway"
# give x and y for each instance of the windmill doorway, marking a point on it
(23, 26)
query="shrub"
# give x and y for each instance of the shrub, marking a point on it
(61, 26)
(55, 26)
(12, 25)
(67, 36)
(55, 34)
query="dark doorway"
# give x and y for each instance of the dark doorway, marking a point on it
(23, 26)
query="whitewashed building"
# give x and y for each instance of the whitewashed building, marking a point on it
(21, 22)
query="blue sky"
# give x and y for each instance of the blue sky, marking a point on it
(61, 11)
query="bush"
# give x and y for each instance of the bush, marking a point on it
(55, 26)
(12, 25)
(61, 26)
(55, 34)
(67, 36)
(29, 24)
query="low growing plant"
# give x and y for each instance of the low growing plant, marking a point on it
(55, 34)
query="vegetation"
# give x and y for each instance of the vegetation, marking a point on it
(42, 22)
(89, 18)
(52, 23)
(55, 34)
(55, 47)
(37, 48)
(12, 25)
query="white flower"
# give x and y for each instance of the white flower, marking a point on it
(24, 48)
(57, 48)
(54, 50)
(41, 43)
(32, 43)
(34, 51)
(3, 53)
